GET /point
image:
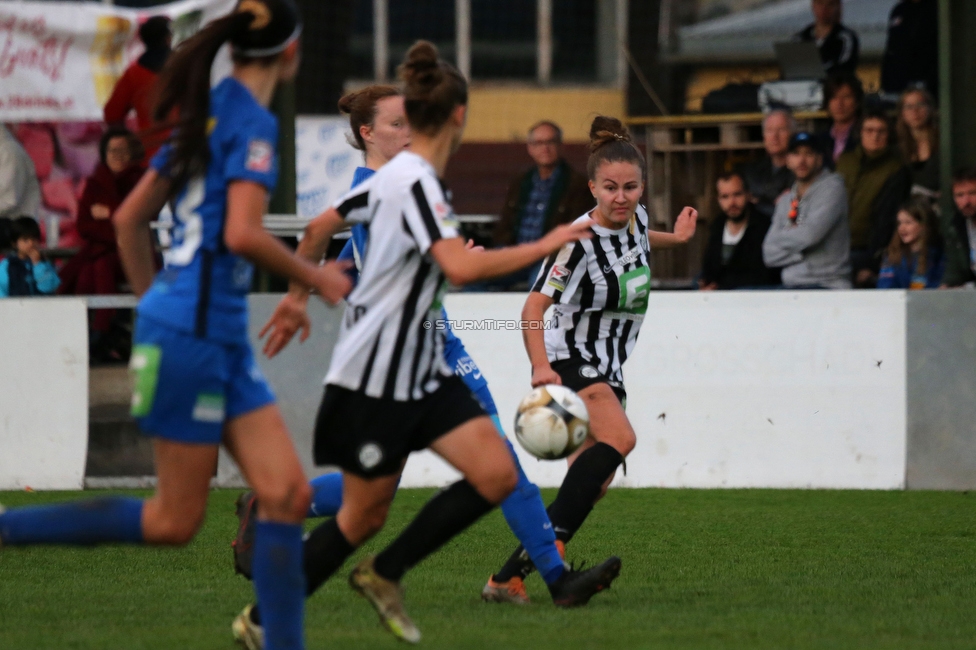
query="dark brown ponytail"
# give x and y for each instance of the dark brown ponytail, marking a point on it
(360, 106)
(610, 142)
(433, 88)
(184, 90)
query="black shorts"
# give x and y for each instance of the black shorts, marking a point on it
(370, 437)
(578, 373)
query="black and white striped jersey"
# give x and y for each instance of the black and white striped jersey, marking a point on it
(600, 289)
(388, 346)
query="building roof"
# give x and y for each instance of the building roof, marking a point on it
(749, 35)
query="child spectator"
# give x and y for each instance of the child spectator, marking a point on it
(918, 137)
(24, 272)
(915, 258)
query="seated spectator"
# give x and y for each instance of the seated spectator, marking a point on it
(961, 249)
(133, 91)
(911, 54)
(541, 198)
(914, 259)
(877, 183)
(843, 97)
(733, 255)
(767, 178)
(918, 137)
(809, 237)
(839, 45)
(96, 269)
(20, 193)
(24, 271)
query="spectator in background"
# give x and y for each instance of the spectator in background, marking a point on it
(96, 269)
(839, 47)
(843, 97)
(733, 256)
(767, 178)
(914, 259)
(877, 182)
(809, 237)
(911, 53)
(549, 194)
(961, 250)
(134, 91)
(24, 271)
(918, 138)
(20, 193)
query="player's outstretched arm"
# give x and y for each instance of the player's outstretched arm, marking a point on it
(684, 230)
(245, 235)
(534, 338)
(131, 220)
(290, 316)
(462, 265)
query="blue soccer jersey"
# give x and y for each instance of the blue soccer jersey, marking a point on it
(203, 288)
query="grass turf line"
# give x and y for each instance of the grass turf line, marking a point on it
(702, 569)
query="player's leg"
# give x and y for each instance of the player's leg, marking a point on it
(259, 442)
(526, 515)
(590, 472)
(170, 517)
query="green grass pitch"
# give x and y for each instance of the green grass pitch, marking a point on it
(701, 569)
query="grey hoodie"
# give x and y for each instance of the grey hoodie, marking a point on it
(816, 251)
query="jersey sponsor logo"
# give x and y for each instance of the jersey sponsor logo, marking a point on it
(370, 455)
(466, 366)
(589, 372)
(627, 258)
(558, 277)
(260, 156)
(209, 408)
(634, 287)
(645, 246)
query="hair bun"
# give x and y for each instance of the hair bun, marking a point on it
(607, 129)
(260, 11)
(421, 66)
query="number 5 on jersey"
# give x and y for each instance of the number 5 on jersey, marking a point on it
(634, 287)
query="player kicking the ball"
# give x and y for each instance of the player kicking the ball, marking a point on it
(389, 390)
(599, 288)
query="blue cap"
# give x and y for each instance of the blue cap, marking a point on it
(804, 139)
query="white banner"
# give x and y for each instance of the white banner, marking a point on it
(326, 162)
(59, 61)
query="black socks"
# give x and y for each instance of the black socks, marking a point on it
(576, 497)
(447, 514)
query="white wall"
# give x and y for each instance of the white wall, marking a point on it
(43, 393)
(745, 389)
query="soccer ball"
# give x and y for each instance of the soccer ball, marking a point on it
(551, 422)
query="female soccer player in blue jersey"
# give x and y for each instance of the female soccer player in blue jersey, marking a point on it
(381, 131)
(197, 384)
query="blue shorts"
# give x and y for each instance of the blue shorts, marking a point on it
(186, 388)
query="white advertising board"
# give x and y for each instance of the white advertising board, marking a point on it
(745, 389)
(43, 393)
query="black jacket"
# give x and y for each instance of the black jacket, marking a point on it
(765, 183)
(912, 52)
(745, 267)
(840, 51)
(958, 269)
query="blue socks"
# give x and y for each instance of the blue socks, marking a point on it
(279, 582)
(326, 495)
(94, 521)
(526, 516)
